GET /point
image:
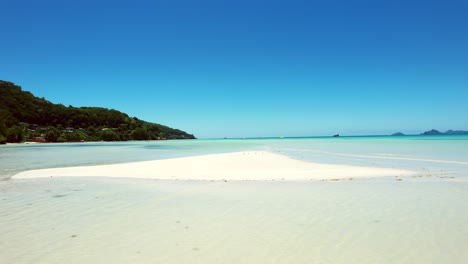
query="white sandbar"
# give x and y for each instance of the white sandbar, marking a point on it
(247, 165)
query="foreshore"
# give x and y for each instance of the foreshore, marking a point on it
(240, 166)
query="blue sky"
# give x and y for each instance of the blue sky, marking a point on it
(248, 68)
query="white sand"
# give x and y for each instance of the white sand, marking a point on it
(248, 165)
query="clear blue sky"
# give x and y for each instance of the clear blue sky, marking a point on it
(248, 68)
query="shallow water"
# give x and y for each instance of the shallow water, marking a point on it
(435, 153)
(95, 220)
(420, 219)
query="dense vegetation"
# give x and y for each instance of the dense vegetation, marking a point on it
(24, 116)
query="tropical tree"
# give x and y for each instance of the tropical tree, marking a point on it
(140, 134)
(109, 135)
(3, 132)
(53, 134)
(15, 134)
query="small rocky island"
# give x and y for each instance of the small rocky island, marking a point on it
(398, 134)
(448, 132)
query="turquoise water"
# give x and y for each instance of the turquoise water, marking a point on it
(448, 153)
(415, 220)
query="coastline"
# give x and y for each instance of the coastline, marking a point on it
(237, 166)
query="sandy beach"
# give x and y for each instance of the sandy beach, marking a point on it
(295, 203)
(240, 166)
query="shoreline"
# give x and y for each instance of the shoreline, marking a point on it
(84, 142)
(237, 166)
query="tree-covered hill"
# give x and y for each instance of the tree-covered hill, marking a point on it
(24, 116)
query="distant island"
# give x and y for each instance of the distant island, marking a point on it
(448, 132)
(436, 132)
(25, 117)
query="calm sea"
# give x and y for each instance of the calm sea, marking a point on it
(421, 219)
(446, 152)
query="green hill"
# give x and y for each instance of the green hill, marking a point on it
(24, 116)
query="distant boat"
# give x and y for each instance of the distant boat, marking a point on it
(336, 135)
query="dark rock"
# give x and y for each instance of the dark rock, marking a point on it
(432, 132)
(449, 132)
(456, 132)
